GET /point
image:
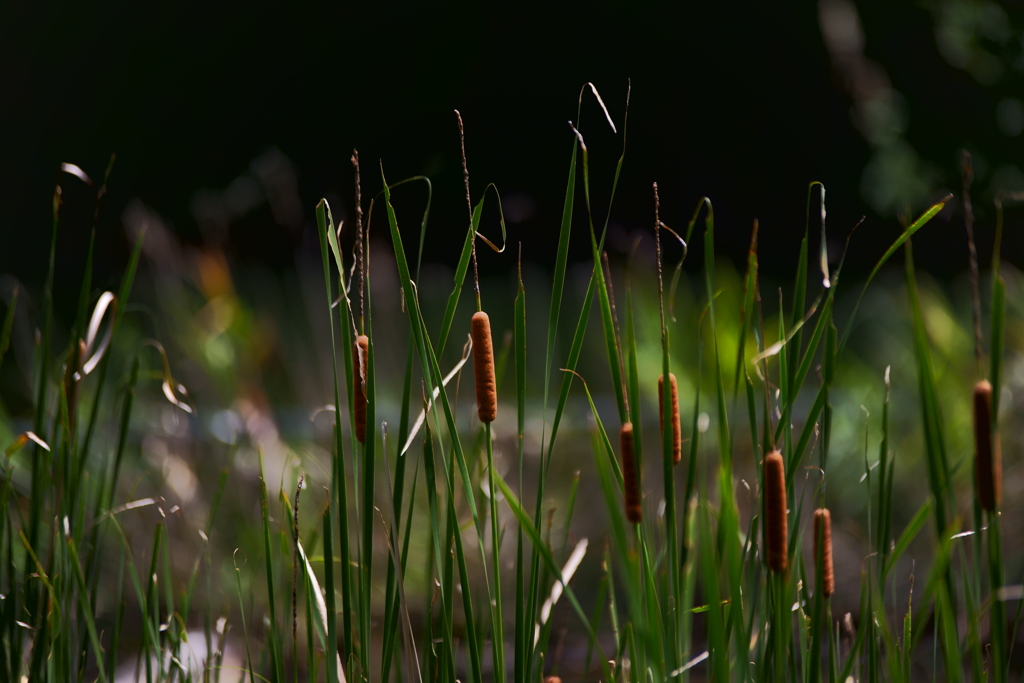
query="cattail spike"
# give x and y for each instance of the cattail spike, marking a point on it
(775, 526)
(988, 465)
(823, 550)
(362, 349)
(630, 477)
(677, 436)
(483, 368)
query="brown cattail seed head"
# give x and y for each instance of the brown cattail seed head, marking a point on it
(775, 529)
(362, 350)
(552, 679)
(988, 462)
(823, 550)
(483, 368)
(630, 477)
(677, 436)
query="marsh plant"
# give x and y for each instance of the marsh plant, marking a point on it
(431, 552)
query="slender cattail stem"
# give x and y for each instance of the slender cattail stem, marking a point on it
(987, 457)
(775, 526)
(972, 252)
(469, 206)
(360, 266)
(362, 349)
(295, 566)
(630, 476)
(483, 368)
(823, 550)
(677, 435)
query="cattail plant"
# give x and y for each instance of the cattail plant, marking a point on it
(362, 348)
(630, 479)
(483, 368)
(677, 436)
(988, 467)
(823, 550)
(775, 529)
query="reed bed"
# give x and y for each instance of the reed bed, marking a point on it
(704, 579)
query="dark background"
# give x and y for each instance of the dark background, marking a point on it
(740, 102)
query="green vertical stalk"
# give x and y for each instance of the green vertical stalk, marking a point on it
(275, 641)
(328, 241)
(332, 617)
(497, 627)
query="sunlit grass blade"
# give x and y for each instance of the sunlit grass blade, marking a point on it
(123, 292)
(545, 554)
(245, 626)
(907, 233)
(273, 632)
(325, 227)
(907, 537)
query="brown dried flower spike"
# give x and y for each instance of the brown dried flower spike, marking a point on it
(988, 462)
(630, 480)
(677, 436)
(483, 368)
(823, 550)
(775, 527)
(362, 349)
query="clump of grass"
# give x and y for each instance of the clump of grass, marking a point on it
(694, 561)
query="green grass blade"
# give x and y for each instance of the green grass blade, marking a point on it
(274, 634)
(328, 240)
(545, 554)
(907, 537)
(904, 236)
(332, 621)
(87, 609)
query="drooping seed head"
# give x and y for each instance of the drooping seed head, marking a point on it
(775, 525)
(988, 465)
(483, 368)
(359, 359)
(677, 436)
(630, 476)
(823, 550)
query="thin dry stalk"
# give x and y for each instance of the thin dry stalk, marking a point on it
(360, 267)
